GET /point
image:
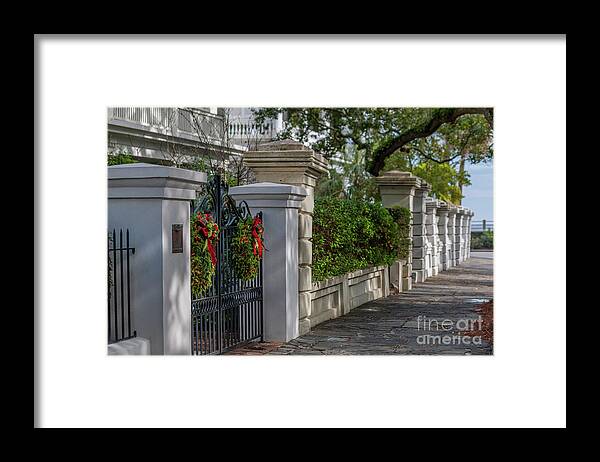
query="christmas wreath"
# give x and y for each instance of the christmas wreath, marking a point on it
(248, 246)
(205, 235)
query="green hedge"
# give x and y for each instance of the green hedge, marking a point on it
(402, 216)
(120, 158)
(351, 234)
(482, 240)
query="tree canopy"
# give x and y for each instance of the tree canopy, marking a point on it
(379, 131)
(434, 143)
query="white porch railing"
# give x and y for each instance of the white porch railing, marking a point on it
(171, 121)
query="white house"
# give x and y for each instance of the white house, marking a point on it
(175, 136)
(245, 131)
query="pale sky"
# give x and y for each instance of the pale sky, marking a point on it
(479, 197)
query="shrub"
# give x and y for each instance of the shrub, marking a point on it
(483, 240)
(352, 234)
(403, 217)
(119, 158)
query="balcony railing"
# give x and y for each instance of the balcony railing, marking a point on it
(192, 122)
(249, 129)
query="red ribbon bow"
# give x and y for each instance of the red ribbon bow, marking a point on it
(257, 235)
(211, 251)
(204, 229)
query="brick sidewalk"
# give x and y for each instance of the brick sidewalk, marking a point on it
(399, 323)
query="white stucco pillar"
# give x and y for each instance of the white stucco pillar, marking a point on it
(279, 204)
(150, 200)
(397, 189)
(440, 242)
(442, 213)
(431, 226)
(465, 234)
(290, 162)
(451, 239)
(420, 241)
(459, 239)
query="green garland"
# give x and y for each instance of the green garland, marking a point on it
(204, 234)
(248, 246)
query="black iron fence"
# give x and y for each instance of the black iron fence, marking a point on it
(120, 323)
(230, 312)
(479, 226)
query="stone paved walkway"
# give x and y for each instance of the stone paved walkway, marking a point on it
(392, 325)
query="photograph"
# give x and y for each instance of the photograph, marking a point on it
(300, 231)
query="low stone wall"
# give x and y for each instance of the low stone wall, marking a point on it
(339, 295)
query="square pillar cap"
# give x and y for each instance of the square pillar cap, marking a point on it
(398, 178)
(283, 145)
(271, 195)
(425, 187)
(443, 206)
(286, 156)
(431, 204)
(151, 181)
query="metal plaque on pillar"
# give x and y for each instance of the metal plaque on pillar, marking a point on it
(177, 238)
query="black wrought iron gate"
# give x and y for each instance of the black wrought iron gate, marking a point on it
(229, 313)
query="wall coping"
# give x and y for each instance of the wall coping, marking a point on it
(338, 279)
